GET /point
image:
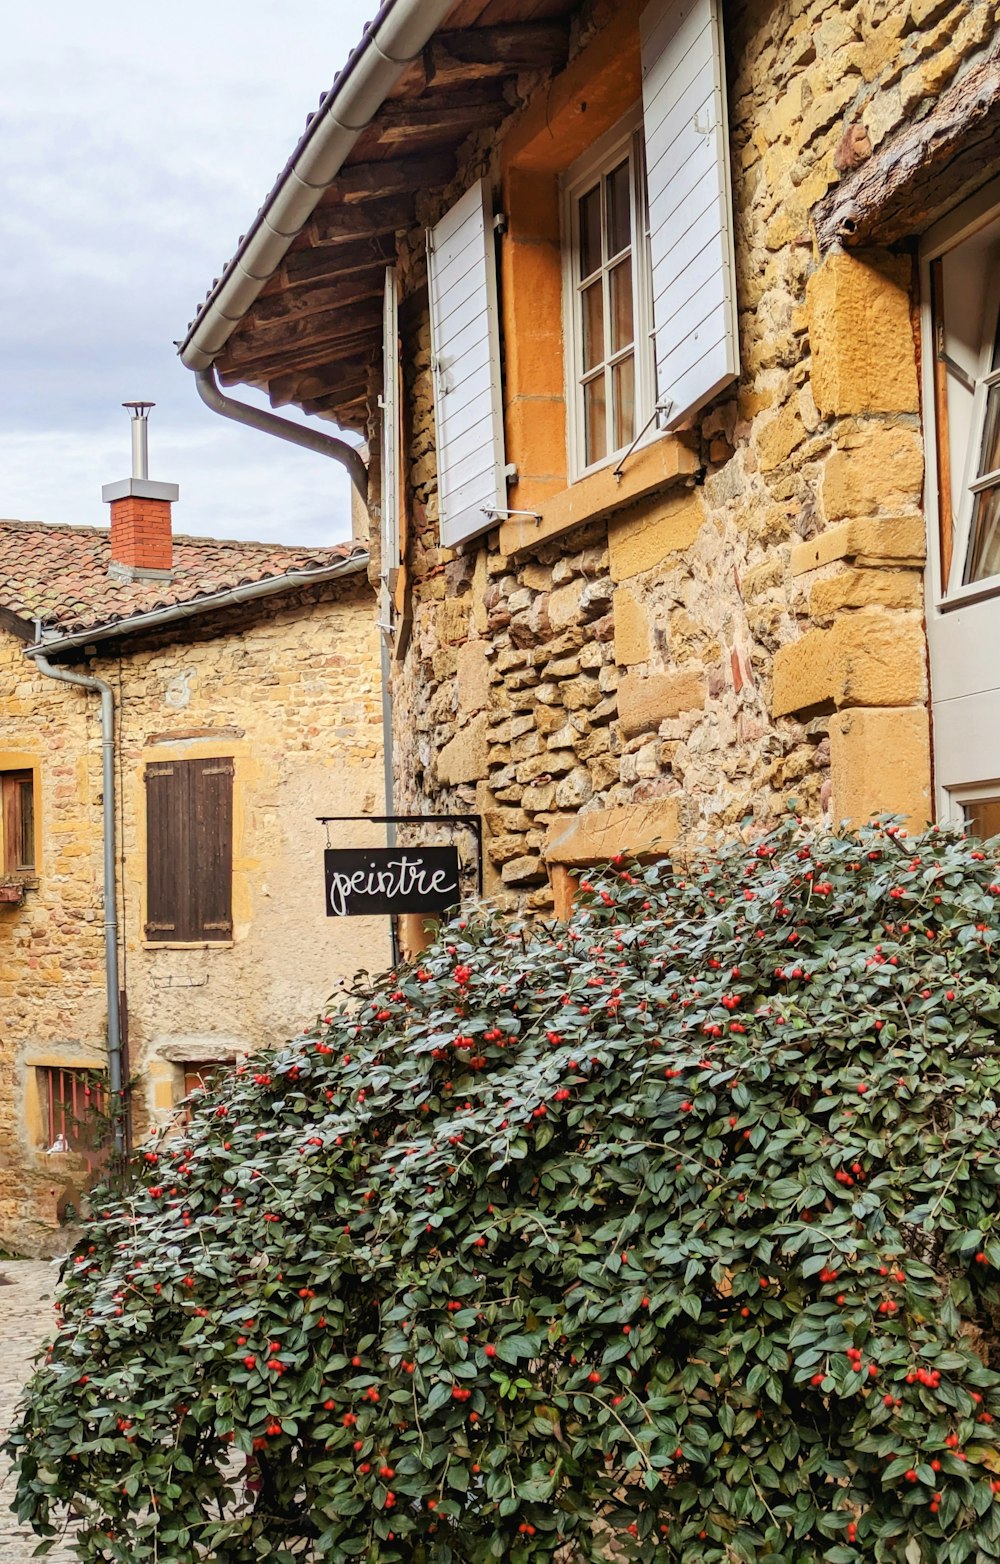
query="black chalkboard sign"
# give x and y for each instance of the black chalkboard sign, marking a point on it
(375, 881)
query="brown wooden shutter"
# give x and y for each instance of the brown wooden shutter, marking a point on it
(212, 847)
(17, 807)
(189, 849)
(165, 787)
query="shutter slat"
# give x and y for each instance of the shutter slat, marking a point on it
(690, 202)
(465, 342)
(212, 848)
(166, 789)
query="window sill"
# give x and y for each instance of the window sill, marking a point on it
(655, 466)
(194, 944)
(967, 596)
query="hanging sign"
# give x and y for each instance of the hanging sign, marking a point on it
(373, 881)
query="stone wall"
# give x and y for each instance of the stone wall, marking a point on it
(291, 691)
(748, 635)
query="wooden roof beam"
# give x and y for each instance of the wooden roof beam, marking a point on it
(438, 114)
(355, 286)
(329, 381)
(343, 225)
(392, 176)
(357, 332)
(921, 170)
(478, 53)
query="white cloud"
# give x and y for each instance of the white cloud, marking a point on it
(135, 147)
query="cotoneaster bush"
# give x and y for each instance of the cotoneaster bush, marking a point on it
(670, 1233)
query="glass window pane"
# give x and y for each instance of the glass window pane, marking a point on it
(27, 824)
(982, 817)
(595, 420)
(623, 392)
(619, 209)
(593, 325)
(989, 453)
(622, 317)
(590, 231)
(984, 544)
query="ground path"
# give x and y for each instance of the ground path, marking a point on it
(25, 1320)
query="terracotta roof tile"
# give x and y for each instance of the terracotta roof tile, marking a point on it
(59, 574)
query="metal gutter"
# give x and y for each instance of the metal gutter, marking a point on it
(176, 613)
(296, 434)
(397, 36)
(98, 687)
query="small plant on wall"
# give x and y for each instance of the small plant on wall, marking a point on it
(670, 1233)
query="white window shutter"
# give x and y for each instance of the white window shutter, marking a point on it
(390, 429)
(690, 203)
(465, 350)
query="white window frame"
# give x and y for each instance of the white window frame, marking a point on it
(947, 235)
(970, 793)
(624, 137)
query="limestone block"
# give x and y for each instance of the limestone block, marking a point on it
(537, 577)
(878, 659)
(605, 772)
(530, 744)
(522, 871)
(644, 830)
(564, 605)
(473, 677)
(892, 540)
(563, 668)
(645, 701)
(452, 617)
(880, 764)
(463, 758)
(575, 789)
(549, 719)
(778, 436)
(861, 337)
(868, 658)
(552, 763)
(595, 598)
(865, 589)
(644, 542)
(537, 799)
(881, 470)
(579, 694)
(632, 631)
(503, 848)
(801, 674)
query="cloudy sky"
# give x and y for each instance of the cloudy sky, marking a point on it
(136, 143)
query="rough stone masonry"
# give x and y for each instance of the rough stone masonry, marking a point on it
(751, 633)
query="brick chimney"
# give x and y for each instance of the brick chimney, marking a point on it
(141, 535)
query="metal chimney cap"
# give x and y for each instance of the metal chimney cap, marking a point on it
(139, 409)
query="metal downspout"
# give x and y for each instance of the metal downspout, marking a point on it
(269, 423)
(340, 451)
(98, 686)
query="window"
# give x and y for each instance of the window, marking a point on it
(609, 301)
(73, 1111)
(649, 294)
(17, 810)
(982, 817)
(189, 850)
(960, 348)
(965, 328)
(982, 557)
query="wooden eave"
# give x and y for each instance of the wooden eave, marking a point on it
(314, 335)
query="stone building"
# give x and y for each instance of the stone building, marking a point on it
(243, 694)
(673, 327)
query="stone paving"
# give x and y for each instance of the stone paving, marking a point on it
(25, 1319)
